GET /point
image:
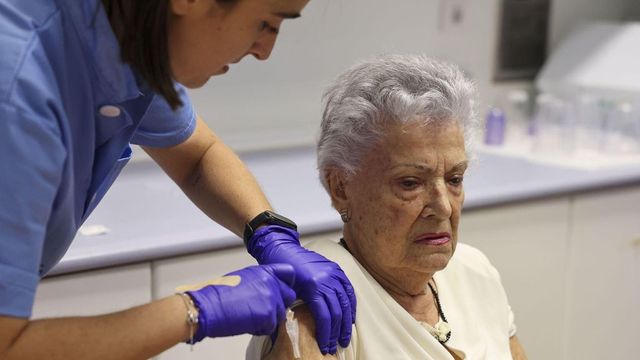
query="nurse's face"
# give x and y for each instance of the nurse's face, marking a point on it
(205, 36)
(406, 201)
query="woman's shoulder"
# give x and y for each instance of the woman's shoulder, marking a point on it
(322, 243)
(468, 259)
(468, 252)
(332, 250)
(261, 347)
(329, 248)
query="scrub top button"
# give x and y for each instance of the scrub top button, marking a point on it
(110, 111)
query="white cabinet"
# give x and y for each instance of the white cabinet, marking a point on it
(571, 268)
(527, 243)
(93, 292)
(603, 293)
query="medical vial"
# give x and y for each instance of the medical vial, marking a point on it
(494, 127)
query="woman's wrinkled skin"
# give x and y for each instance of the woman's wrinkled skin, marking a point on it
(409, 184)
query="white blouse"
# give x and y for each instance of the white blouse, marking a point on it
(472, 298)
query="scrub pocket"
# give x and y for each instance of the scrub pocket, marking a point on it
(106, 183)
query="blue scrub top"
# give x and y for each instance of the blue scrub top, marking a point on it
(68, 110)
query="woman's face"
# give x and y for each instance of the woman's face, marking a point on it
(205, 36)
(406, 199)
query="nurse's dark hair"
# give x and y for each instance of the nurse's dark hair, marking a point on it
(141, 29)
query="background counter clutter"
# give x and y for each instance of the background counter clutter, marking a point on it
(586, 107)
(543, 225)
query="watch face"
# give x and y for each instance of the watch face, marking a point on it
(266, 218)
(277, 219)
(272, 218)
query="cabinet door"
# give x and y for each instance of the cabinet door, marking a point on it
(93, 292)
(603, 305)
(527, 243)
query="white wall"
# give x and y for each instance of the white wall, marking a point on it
(278, 102)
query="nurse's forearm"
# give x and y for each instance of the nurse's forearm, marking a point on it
(213, 177)
(224, 189)
(137, 333)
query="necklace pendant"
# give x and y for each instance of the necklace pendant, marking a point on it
(442, 331)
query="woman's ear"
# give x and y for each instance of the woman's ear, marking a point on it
(336, 181)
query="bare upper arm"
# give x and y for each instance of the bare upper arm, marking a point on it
(179, 161)
(10, 328)
(309, 350)
(517, 351)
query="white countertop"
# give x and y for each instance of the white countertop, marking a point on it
(148, 217)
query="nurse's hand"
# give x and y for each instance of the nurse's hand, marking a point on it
(319, 282)
(252, 300)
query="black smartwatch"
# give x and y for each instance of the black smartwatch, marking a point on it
(267, 217)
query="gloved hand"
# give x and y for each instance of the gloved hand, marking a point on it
(256, 305)
(319, 282)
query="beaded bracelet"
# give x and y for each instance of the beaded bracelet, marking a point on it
(192, 316)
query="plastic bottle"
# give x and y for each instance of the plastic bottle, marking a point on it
(495, 127)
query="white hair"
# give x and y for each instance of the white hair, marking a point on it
(386, 90)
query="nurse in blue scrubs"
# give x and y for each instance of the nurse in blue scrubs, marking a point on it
(79, 81)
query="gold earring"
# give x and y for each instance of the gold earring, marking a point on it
(345, 215)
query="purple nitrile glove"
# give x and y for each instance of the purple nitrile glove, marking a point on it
(256, 305)
(319, 282)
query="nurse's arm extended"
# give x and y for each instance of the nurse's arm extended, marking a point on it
(137, 333)
(213, 177)
(253, 305)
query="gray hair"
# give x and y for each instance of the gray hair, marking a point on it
(388, 90)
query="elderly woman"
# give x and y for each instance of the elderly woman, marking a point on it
(392, 154)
